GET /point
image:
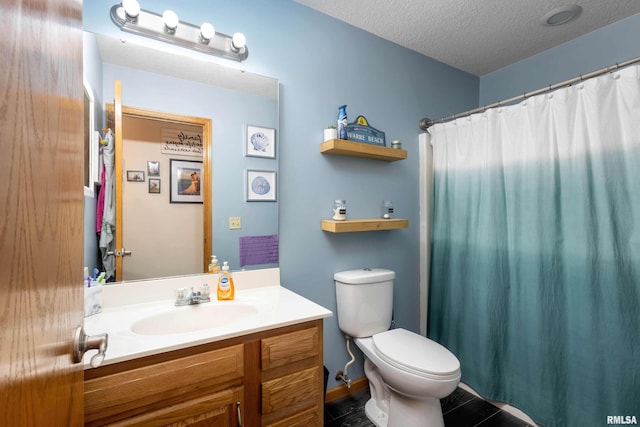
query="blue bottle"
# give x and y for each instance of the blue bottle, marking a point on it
(342, 122)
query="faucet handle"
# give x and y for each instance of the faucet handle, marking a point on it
(204, 290)
(181, 293)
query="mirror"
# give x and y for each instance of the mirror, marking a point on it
(237, 102)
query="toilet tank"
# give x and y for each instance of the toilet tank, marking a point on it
(365, 301)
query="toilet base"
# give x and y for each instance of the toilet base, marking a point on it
(407, 411)
(376, 415)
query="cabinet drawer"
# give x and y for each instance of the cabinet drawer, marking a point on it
(146, 388)
(292, 389)
(308, 418)
(288, 348)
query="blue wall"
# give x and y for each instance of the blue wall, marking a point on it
(322, 63)
(607, 46)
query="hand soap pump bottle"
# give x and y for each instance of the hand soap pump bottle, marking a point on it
(213, 265)
(226, 289)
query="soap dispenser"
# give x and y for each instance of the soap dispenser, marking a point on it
(226, 289)
(213, 265)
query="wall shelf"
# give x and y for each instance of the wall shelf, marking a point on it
(343, 147)
(355, 225)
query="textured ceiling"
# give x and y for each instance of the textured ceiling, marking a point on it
(477, 36)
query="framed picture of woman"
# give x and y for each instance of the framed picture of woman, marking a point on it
(186, 177)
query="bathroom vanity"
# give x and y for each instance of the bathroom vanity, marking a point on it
(264, 368)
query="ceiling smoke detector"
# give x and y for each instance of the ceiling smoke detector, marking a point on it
(561, 15)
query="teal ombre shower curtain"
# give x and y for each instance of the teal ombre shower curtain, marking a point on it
(535, 251)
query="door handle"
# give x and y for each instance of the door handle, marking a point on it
(122, 252)
(83, 343)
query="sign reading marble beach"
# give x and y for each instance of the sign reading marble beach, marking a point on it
(176, 141)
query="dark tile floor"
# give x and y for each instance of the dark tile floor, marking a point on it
(460, 409)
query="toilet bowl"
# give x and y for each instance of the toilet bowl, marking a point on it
(408, 374)
(418, 373)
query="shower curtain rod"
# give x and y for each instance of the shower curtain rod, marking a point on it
(426, 123)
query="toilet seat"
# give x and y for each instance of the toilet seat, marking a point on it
(416, 354)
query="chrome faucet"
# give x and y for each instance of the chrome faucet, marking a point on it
(183, 297)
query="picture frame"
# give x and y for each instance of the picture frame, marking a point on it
(260, 141)
(261, 186)
(135, 176)
(153, 168)
(186, 181)
(154, 185)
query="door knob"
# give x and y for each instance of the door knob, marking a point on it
(83, 343)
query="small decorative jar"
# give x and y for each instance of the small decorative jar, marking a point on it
(339, 210)
(387, 209)
(396, 144)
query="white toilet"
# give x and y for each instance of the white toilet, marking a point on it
(408, 374)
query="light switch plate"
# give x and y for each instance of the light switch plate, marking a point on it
(234, 223)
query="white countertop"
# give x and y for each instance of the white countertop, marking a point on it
(276, 307)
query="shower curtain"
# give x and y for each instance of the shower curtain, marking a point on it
(535, 251)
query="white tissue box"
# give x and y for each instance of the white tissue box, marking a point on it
(92, 299)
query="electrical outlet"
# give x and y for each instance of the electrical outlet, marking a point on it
(234, 223)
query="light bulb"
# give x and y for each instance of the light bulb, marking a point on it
(238, 41)
(207, 32)
(131, 8)
(170, 20)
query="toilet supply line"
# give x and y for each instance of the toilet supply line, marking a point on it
(342, 375)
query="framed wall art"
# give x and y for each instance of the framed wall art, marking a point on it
(154, 185)
(261, 186)
(260, 142)
(135, 176)
(186, 177)
(153, 168)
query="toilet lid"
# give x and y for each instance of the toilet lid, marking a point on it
(412, 352)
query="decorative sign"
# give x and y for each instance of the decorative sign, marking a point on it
(360, 131)
(176, 141)
(256, 250)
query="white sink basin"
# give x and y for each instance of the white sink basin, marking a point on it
(194, 318)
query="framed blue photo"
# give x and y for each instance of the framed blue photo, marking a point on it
(261, 186)
(260, 142)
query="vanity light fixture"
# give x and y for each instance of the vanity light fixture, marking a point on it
(131, 9)
(129, 17)
(170, 20)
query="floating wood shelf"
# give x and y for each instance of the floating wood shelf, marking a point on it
(342, 147)
(353, 225)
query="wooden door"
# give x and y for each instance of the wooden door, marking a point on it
(117, 126)
(41, 212)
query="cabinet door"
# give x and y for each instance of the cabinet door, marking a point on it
(222, 409)
(146, 389)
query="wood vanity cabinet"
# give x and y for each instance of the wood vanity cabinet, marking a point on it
(272, 378)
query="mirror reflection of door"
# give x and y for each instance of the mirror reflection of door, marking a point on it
(163, 235)
(160, 233)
